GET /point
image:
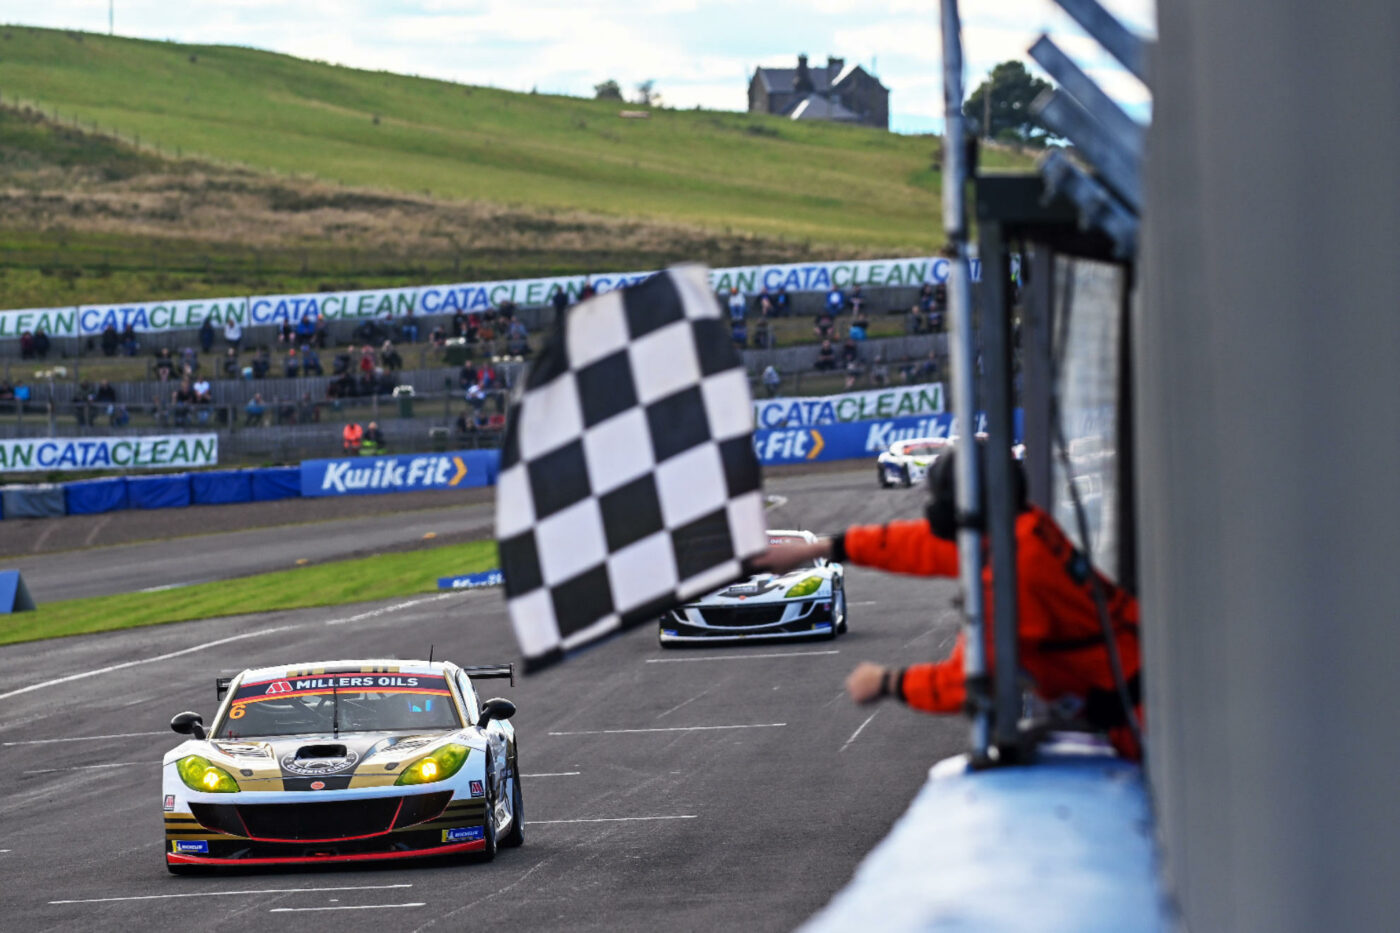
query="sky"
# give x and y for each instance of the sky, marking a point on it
(698, 52)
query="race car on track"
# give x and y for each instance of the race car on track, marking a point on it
(343, 761)
(906, 462)
(806, 602)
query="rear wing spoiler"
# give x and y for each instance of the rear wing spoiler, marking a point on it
(489, 671)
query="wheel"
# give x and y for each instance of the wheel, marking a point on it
(880, 475)
(840, 604)
(905, 479)
(489, 834)
(516, 836)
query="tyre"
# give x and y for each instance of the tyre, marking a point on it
(516, 836)
(905, 480)
(840, 602)
(489, 835)
(880, 476)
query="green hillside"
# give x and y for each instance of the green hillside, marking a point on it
(820, 183)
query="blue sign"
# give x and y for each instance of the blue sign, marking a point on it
(855, 440)
(401, 473)
(472, 581)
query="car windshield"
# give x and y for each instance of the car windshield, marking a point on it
(923, 450)
(340, 702)
(792, 539)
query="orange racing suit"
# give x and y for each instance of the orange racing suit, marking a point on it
(1061, 645)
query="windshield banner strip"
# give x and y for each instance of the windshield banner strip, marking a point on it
(327, 691)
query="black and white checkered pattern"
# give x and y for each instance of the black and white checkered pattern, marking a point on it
(628, 479)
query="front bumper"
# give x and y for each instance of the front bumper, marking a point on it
(731, 623)
(391, 826)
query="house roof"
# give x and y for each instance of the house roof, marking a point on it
(783, 79)
(817, 107)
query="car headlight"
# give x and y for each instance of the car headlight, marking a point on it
(439, 766)
(805, 588)
(199, 773)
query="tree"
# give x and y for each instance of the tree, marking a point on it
(1012, 90)
(647, 94)
(608, 90)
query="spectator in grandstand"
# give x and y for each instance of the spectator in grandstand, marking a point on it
(517, 338)
(409, 326)
(233, 333)
(860, 323)
(350, 437)
(7, 390)
(306, 330)
(182, 400)
(476, 396)
(738, 305)
(26, 345)
(824, 325)
(856, 300)
(465, 425)
(231, 362)
(262, 363)
(202, 390)
(782, 303)
(343, 386)
(341, 363)
(367, 362)
(385, 383)
(164, 364)
(41, 343)
(286, 333)
(206, 334)
(486, 375)
(938, 310)
(322, 334)
(105, 395)
(459, 323)
(918, 321)
(1061, 648)
(835, 301)
(924, 302)
(931, 369)
(588, 291)
(311, 361)
(826, 357)
(110, 340)
(291, 366)
(471, 330)
(286, 411)
(120, 417)
(369, 332)
(389, 357)
(307, 412)
(438, 337)
(850, 353)
(189, 360)
(739, 331)
(466, 376)
(130, 345)
(772, 379)
(373, 441)
(560, 301)
(879, 371)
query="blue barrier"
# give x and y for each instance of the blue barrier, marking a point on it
(456, 469)
(270, 483)
(471, 581)
(92, 496)
(221, 487)
(14, 595)
(852, 440)
(158, 492)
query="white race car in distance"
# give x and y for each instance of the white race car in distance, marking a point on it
(807, 602)
(907, 462)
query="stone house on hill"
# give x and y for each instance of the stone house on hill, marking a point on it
(840, 92)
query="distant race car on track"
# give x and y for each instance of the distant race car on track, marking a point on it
(806, 602)
(906, 462)
(343, 761)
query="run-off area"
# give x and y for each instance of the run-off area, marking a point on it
(737, 789)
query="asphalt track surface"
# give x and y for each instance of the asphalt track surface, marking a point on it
(714, 788)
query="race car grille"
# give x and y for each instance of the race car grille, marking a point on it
(742, 617)
(308, 822)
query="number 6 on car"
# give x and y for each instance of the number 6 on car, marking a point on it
(344, 761)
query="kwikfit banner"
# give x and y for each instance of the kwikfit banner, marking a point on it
(854, 440)
(898, 402)
(161, 316)
(108, 453)
(403, 473)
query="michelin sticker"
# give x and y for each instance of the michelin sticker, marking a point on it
(465, 834)
(191, 845)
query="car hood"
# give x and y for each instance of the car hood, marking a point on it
(764, 587)
(296, 762)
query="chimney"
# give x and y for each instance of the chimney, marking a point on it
(834, 66)
(802, 83)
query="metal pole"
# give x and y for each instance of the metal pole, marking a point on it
(963, 365)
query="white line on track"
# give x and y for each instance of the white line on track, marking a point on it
(161, 897)
(618, 819)
(81, 738)
(859, 730)
(109, 764)
(165, 586)
(866, 602)
(160, 657)
(684, 702)
(291, 910)
(754, 725)
(385, 610)
(743, 657)
(552, 774)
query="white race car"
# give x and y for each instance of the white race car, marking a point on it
(343, 761)
(803, 603)
(907, 462)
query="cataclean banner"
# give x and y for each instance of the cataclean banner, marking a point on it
(160, 316)
(855, 440)
(900, 402)
(403, 473)
(105, 453)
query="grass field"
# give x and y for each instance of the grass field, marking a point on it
(332, 584)
(557, 183)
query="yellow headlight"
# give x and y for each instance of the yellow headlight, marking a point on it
(199, 773)
(438, 766)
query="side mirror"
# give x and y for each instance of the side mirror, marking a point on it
(496, 708)
(190, 723)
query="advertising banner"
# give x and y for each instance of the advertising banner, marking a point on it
(898, 402)
(107, 453)
(402, 473)
(160, 316)
(854, 440)
(472, 581)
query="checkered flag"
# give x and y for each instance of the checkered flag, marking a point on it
(628, 479)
